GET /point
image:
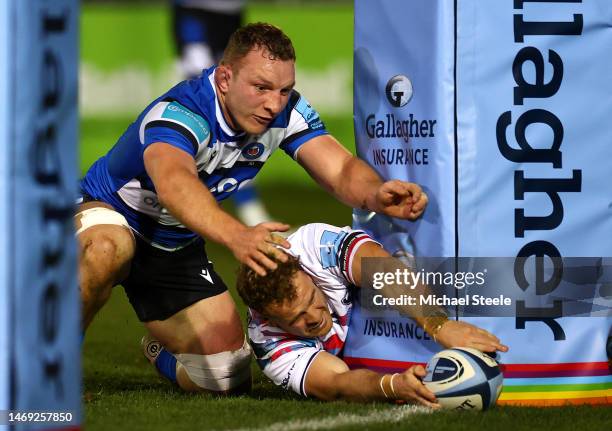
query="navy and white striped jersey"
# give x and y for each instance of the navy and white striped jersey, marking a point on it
(189, 117)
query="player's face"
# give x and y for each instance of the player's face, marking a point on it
(257, 90)
(305, 316)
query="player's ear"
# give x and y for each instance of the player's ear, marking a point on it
(223, 76)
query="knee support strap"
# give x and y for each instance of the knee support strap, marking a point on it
(220, 372)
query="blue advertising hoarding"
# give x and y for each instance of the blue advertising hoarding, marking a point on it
(4, 207)
(40, 327)
(509, 102)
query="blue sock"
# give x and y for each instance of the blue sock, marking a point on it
(166, 365)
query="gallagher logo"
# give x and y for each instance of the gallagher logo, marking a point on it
(399, 91)
(253, 151)
(399, 126)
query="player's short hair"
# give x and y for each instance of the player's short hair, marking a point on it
(255, 36)
(275, 288)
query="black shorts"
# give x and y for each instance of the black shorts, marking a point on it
(162, 283)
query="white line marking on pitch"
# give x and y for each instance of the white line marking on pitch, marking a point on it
(343, 419)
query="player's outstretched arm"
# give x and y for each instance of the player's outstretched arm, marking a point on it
(448, 333)
(328, 378)
(455, 333)
(356, 184)
(180, 191)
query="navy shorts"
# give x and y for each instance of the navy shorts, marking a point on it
(162, 283)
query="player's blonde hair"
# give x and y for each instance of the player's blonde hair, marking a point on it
(275, 288)
(255, 36)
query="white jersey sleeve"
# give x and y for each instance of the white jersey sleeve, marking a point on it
(283, 357)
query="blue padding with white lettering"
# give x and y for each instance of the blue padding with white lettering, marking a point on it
(512, 123)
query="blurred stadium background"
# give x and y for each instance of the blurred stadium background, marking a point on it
(127, 59)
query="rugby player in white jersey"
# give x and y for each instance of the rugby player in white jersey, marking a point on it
(151, 201)
(299, 317)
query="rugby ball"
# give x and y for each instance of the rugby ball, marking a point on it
(464, 379)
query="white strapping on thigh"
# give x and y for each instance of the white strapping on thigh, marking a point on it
(98, 216)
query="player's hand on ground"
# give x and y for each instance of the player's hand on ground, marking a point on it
(401, 199)
(254, 244)
(462, 334)
(409, 386)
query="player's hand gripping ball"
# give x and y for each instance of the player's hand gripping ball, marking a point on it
(464, 379)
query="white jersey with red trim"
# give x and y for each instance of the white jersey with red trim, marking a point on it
(326, 254)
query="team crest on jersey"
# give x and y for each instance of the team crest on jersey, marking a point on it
(253, 151)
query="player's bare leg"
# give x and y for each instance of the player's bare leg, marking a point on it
(209, 335)
(105, 253)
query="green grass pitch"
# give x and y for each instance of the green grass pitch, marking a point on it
(121, 389)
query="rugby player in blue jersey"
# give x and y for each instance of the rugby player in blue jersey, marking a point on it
(202, 29)
(150, 202)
